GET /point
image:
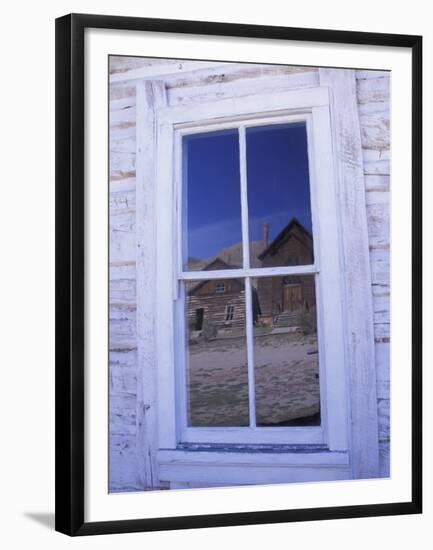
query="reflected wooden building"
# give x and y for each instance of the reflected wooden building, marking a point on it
(281, 298)
(218, 304)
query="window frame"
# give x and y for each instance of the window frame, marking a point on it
(222, 288)
(312, 105)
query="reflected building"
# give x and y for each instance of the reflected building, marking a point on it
(217, 306)
(282, 298)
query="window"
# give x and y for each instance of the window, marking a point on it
(256, 210)
(230, 311)
(252, 189)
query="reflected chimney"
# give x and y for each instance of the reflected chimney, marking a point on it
(265, 233)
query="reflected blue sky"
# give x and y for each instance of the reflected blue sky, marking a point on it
(278, 178)
(278, 186)
(212, 209)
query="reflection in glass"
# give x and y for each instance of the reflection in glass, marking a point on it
(211, 201)
(279, 208)
(216, 372)
(286, 360)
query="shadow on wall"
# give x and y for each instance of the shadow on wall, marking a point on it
(45, 519)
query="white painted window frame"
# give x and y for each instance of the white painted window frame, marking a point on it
(311, 105)
(198, 468)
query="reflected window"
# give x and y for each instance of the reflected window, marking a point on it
(291, 280)
(230, 311)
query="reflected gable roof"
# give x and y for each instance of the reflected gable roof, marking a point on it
(216, 264)
(283, 236)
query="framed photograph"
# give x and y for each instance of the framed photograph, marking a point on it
(238, 274)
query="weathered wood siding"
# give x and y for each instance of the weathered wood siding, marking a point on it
(205, 84)
(123, 341)
(373, 91)
(214, 306)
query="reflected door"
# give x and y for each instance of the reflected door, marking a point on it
(292, 297)
(199, 314)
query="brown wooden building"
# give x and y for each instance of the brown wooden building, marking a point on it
(216, 303)
(287, 294)
(219, 303)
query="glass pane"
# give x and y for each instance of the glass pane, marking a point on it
(286, 351)
(216, 371)
(212, 234)
(279, 207)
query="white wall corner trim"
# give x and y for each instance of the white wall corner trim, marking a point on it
(150, 95)
(358, 307)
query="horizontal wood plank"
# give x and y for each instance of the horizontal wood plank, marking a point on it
(373, 90)
(378, 224)
(377, 183)
(378, 168)
(246, 87)
(375, 130)
(122, 247)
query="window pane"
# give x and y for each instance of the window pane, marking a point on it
(279, 209)
(286, 351)
(216, 372)
(212, 236)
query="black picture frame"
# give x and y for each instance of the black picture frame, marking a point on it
(70, 280)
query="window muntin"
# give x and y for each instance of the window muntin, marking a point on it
(300, 247)
(220, 288)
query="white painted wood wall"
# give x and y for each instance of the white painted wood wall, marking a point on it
(126, 408)
(373, 91)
